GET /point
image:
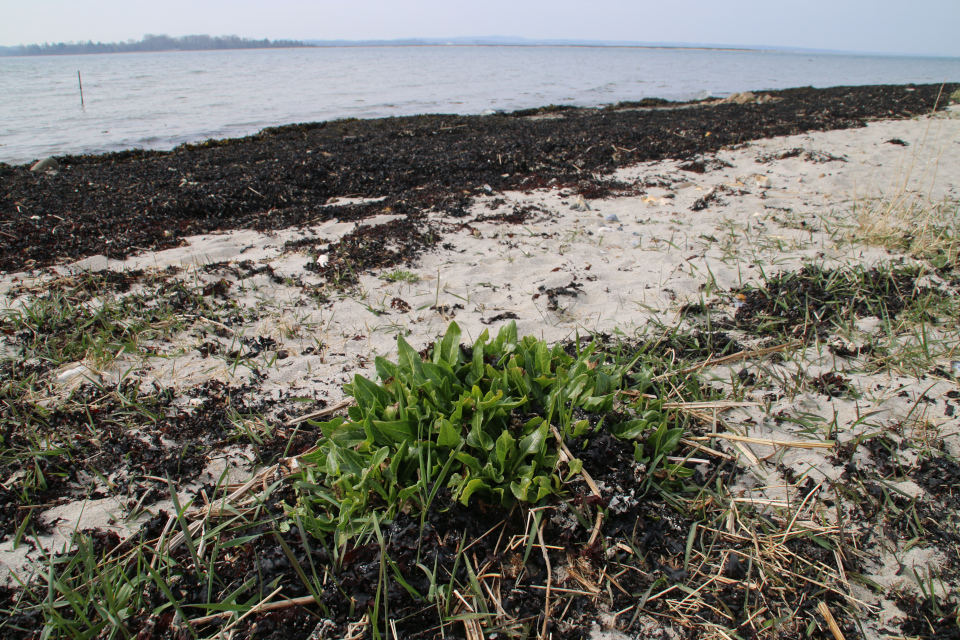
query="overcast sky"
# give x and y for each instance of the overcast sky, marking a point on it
(887, 26)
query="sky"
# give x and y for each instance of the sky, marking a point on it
(924, 27)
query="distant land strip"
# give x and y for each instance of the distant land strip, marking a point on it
(149, 42)
(205, 42)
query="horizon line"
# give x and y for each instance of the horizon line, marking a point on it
(509, 41)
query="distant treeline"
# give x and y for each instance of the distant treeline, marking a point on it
(150, 42)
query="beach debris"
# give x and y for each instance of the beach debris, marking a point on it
(572, 290)
(740, 98)
(74, 372)
(125, 200)
(748, 97)
(703, 164)
(580, 205)
(955, 368)
(763, 182)
(807, 155)
(45, 164)
(703, 201)
(611, 217)
(488, 188)
(604, 230)
(506, 315)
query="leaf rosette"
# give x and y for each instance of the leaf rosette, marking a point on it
(476, 420)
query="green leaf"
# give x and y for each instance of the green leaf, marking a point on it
(542, 358)
(449, 435)
(679, 471)
(532, 443)
(376, 460)
(349, 434)
(437, 374)
(580, 428)
(476, 365)
(472, 463)
(397, 459)
(391, 433)
(505, 338)
(597, 404)
(506, 448)
(410, 361)
(606, 384)
(519, 489)
(490, 400)
(478, 438)
(543, 486)
(328, 428)
(449, 347)
(490, 472)
(385, 368)
(577, 386)
(638, 453)
(369, 394)
(470, 488)
(664, 440)
(630, 429)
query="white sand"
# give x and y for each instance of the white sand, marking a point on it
(655, 256)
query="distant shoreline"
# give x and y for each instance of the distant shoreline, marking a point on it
(466, 46)
(149, 44)
(407, 46)
(157, 44)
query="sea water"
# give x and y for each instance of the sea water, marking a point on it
(160, 100)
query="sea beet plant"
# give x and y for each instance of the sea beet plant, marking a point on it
(481, 421)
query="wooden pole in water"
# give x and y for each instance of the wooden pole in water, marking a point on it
(81, 88)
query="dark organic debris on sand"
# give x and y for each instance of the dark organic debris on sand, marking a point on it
(119, 203)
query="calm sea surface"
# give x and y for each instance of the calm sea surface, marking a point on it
(160, 100)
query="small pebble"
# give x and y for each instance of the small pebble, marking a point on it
(611, 217)
(955, 368)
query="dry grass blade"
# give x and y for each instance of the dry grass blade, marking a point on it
(322, 413)
(473, 629)
(717, 404)
(231, 504)
(700, 447)
(734, 357)
(546, 598)
(769, 442)
(264, 606)
(831, 622)
(566, 456)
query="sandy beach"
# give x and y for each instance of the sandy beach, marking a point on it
(805, 284)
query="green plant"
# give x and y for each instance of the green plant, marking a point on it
(479, 423)
(399, 275)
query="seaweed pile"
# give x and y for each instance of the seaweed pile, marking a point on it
(117, 204)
